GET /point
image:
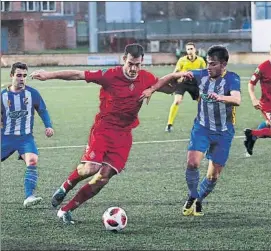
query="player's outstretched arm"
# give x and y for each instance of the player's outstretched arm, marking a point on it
(64, 75)
(162, 82)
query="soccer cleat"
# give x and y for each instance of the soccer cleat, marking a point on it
(65, 216)
(249, 141)
(58, 197)
(31, 201)
(169, 128)
(198, 209)
(188, 207)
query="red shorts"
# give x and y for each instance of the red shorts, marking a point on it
(108, 146)
(267, 116)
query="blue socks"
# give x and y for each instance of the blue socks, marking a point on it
(206, 187)
(192, 180)
(30, 180)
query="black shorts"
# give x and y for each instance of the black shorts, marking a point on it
(190, 87)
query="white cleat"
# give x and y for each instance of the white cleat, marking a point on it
(65, 216)
(31, 201)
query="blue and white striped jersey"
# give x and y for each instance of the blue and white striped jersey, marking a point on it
(216, 116)
(17, 111)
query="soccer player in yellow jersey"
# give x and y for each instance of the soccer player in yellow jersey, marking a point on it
(187, 63)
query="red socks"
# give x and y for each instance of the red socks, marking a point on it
(82, 195)
(72, 180)
(265, 132)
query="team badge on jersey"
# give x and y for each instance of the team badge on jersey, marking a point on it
(92, 155)
(9, 103)
(132, 86)
(25, 100)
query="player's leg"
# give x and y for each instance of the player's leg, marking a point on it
(263, 131)
(91, 163)
(198, 145)
(178, 97)
(118, 148)
(29, 153)
(83, 171)
(218, 154)
(86, 192)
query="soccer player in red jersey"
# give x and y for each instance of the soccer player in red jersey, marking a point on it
(121, 97)
(262, 73)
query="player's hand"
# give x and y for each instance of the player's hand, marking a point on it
(146, 94)
(214, 96)
(183, 75)
(256, 104)
(49, 132)
(39, 75)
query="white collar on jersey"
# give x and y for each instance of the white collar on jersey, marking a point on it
(126, 76)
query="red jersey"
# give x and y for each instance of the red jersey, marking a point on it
(263, 73)
(119, 105)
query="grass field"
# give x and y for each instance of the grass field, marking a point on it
(152, 188)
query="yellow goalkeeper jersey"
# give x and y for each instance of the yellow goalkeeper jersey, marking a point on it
(185, 64)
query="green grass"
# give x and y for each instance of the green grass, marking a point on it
(152, 188)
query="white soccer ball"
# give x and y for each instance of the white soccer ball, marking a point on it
(114, 219)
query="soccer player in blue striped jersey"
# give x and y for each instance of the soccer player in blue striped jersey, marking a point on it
(213, 129)
(18, 104)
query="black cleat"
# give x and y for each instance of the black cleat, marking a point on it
(198, 209)
(169, 128)
(249, 141)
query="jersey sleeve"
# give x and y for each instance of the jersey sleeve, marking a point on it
(40, 107)
(38, 101)
(235, 83)
(256, 75)
(197, 76)
(149, 79)
(95, 77)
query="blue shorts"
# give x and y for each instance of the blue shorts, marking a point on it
(216, 145)
(22, 144)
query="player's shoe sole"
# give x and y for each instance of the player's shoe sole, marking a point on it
(32, 201)
(58, 197)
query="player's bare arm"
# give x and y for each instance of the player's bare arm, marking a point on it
(233, 99)
(254, 100)
(162, 82)
(64, 75)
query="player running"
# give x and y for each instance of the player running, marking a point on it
(110, 139)
(262, 73)
(213, 128)
(18, 104)
(187, 63)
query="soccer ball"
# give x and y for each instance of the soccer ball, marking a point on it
(114, 219)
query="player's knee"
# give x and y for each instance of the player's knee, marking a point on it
(212, 177)
(193, 163)
(88, 169)
(32, 162)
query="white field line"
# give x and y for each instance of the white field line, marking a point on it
(134, 143)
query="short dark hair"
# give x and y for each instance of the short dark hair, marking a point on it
(17, 65)
(191, 43)
(136, 50)
(219, 51)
